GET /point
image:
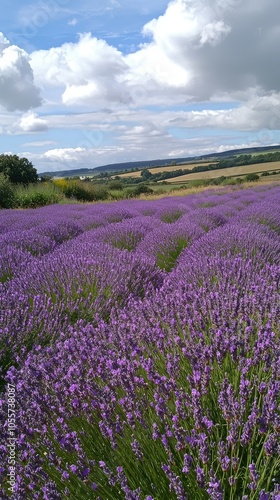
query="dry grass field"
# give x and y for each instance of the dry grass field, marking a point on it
(218, 189)
(234, 171)
(170, 168)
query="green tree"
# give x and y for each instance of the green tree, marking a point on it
(146, 174)
(18, 170)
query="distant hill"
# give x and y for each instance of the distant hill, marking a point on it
(118, 167)
(243, 151)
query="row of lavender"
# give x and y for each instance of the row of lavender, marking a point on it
(142, 339)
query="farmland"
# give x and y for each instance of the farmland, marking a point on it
(169, 168)
(233, 171)
(140, 348)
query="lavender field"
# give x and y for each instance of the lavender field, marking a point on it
(141, 342)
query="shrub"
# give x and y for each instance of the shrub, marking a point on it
(84, 191)
(61, 183)
(38, 195)
(238, 180)
(229, 181)
(7, 194)
(98, 192)
(200, 183)
(115, 185)
(252, 177)
(219, 180)
(33, 200)
(143, 189)
(78, 192)
(117, 195)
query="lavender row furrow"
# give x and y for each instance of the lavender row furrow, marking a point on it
(142, 341)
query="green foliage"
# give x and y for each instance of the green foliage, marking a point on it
(115, 185)
(235, 161)
(238, 180)
(143, 189)
(33, 200)
(18, 170)
(78, 192)
(219, 180)
(7, 194)
(172, 216)
(226, 181)
(167, 257)
(37, 195)
(146, 174)
(45, 178)
(85, 191)
(118, 195)
(252, 177)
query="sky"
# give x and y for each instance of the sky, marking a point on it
(85, 83)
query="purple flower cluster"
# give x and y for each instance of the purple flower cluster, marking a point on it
(142, 339)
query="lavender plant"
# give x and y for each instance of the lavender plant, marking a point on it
(148, 371)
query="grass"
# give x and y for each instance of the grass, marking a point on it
(39, 194)
(159, 187)
(188, 189)
(274, 177)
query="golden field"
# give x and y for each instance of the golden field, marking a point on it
(169, 168)
(233, 171)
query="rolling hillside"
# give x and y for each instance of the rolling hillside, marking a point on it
(121, 167)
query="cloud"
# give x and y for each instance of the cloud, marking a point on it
(257, 113)
(196, 51)
(184, 23)
(17, 88)
(186, 28)
(30, 122)
(38, 144)
(73, 22)
(220, 54)
(65, 154)
(145, 148)
(220, 47)
(88, 72)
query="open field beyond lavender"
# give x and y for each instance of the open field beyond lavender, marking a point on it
(235, 171)
(140, 343)
(169, 168)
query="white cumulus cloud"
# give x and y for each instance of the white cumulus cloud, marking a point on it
(88, 71)
(30, 122)
(17, 88)
(65, 154)
(195, 51)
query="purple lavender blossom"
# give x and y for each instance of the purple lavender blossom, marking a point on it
(131, 381)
